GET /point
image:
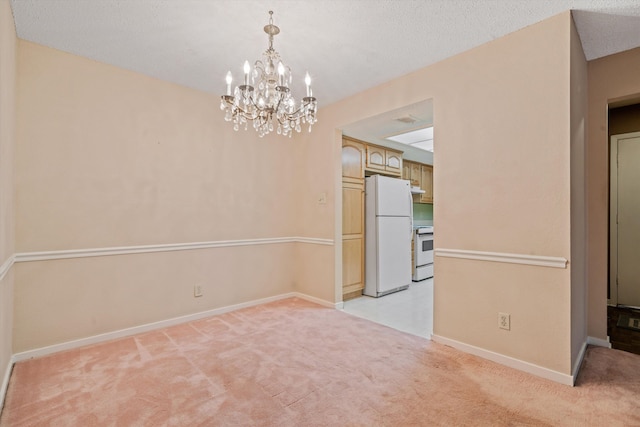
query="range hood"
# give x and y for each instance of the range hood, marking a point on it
(417, 190)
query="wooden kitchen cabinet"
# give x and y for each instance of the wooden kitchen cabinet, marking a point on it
(353, 166)
(426, 183)
(393, 162)
(416, 176)
(384, 160)
(376, 158)
(406, 170)
(352, 240)
(411, 172)
(353, 162)
(420, 175)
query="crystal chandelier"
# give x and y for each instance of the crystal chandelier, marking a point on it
(265, 97)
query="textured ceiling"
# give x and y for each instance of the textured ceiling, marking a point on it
(346, 45)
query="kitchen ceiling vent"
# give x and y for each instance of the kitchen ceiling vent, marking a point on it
(407, 119)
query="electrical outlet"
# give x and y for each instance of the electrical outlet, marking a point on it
(504, 321)
(197, 291)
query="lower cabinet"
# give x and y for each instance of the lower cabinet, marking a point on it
(352, 271)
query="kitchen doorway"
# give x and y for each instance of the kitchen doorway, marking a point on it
(410, 310)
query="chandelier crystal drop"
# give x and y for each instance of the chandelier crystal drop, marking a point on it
(265, 98)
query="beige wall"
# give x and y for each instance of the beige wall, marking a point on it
(578, 196)
(502, 184)
(62, 300)
(120, 159)
(7, 144)
(110, 158)
(611, 79)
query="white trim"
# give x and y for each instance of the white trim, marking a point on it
(511, 362)
(543, 261)
(43, 351)
(578, 364)
(128, 250)
(313, 240)
(599, 342)
(318, 301)
(5, 382)
(6, 266)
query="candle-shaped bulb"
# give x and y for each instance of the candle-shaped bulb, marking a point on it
(307, 81)
(229, 79)
(281, 73)
(247, 69)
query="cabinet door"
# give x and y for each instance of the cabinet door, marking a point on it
(352, 161)
(376, 158)
(352, 240)
(427, 183)
(393, 162)
(406, 170)
(352, 271)
(416, 175)
(352, 210)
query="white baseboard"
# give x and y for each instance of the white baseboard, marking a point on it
(42, 351)
(511, 362)
(599, 342)
(578, 363)
(318, 301)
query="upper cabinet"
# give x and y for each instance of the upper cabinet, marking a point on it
(353, 160)
(415, 176)
(384, 160)
(426, 183)
(419, 175)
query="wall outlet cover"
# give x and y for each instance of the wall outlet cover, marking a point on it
(504, 321)
(197, 291)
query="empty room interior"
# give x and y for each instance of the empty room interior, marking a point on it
(212, 213)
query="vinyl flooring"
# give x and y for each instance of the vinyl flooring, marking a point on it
(410, 310)
(622, 338)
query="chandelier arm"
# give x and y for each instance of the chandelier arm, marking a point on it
(270, 101)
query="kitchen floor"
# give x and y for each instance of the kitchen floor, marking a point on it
(409, 311)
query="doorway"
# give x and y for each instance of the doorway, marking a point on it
(623, 311)
(625, 220)
(410, 310)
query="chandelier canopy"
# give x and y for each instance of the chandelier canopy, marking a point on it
(265, 97)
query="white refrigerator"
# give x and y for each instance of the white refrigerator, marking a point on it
(388, 231)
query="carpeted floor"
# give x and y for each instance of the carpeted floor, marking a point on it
(293, 363)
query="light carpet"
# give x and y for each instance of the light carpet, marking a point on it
(294, 363)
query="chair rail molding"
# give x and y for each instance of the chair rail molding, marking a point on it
(170, 247)
(538, 260)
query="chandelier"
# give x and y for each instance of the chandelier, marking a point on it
(265, 98)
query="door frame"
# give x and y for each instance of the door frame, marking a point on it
(613, 214)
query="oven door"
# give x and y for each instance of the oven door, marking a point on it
(424, 249)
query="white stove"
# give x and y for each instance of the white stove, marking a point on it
(423, 253)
